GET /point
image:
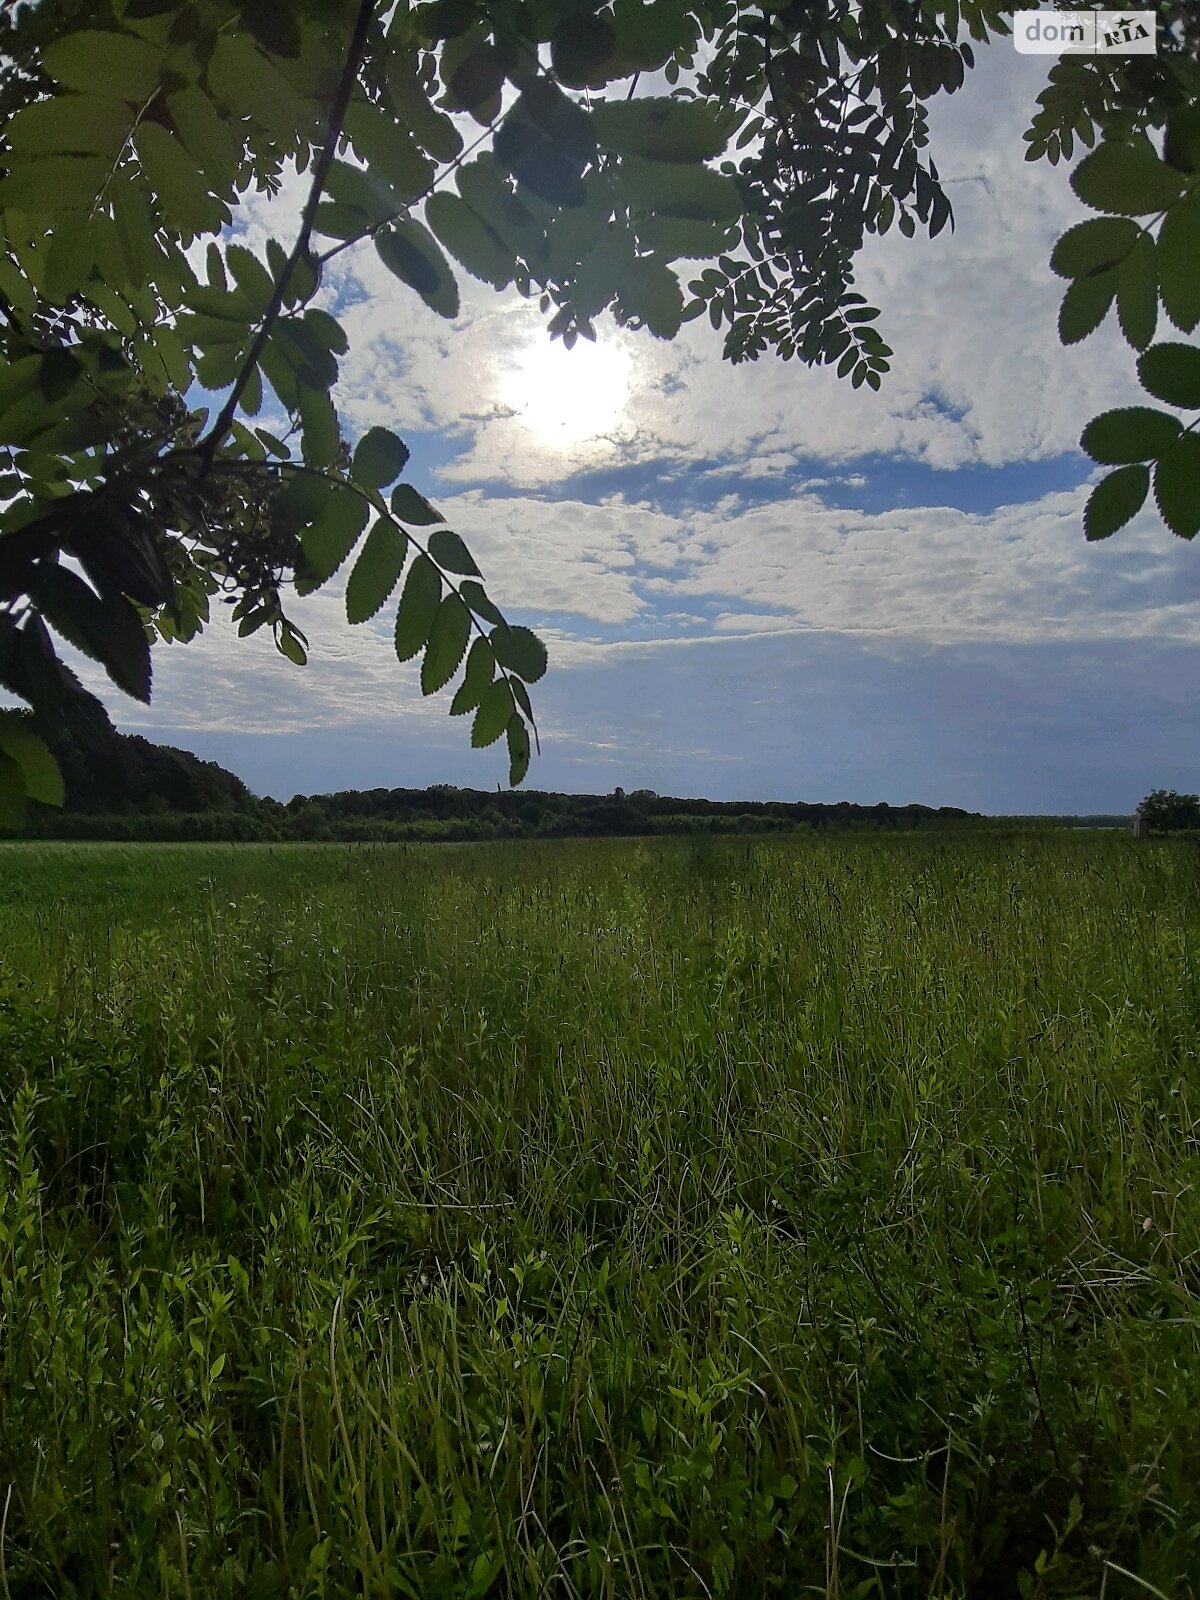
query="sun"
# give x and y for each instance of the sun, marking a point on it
(567, 397)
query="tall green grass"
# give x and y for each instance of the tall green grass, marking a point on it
(804, 1217)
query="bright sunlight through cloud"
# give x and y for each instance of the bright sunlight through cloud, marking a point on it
(566, 397)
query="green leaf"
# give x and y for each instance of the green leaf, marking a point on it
(116, 65)
(447, 644)
(1182, 149)
(58, 181)
(518, 749)
(583, 50)
(70, 124)
(181, 189)
(410, 251)
(1171, 372)
(662, 129)
(673, 237)
(1127, 179)
(669, 189)
(1093, 246)
(418, 607)
(1133, 433)
(450, 553)
(12, 796)
(388, 148)
(206, 137)
(495, 709)
(1137, 293)
(1177, 486)
(253, 279)
(1085, 306)
(520, 650)
(481, 666)
(651, 294)
(320, 436)
(476, 598)
(330, 539)
(413, 508)
(39, 770)
(1178, 254)
(470, 240)
(379, 458)
(377, 570)
(111, 631)
(1115, 500)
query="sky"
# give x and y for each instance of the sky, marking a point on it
(756, 582)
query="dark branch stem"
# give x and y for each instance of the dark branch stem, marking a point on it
(300, 249)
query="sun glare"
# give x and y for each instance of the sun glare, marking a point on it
(566, 397)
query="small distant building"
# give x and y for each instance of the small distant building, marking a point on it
(1141, 828)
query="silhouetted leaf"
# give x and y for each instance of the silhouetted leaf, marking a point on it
(379, 458)
(518, 749)
(1093, 245)
(1115, 500)
(1133, 433)
(1177, 486)
(1126, 179)
(662, 129)
(447, 644)
(1137, 293)
(418, 607)
(1178, 253)
(413, 508)
(377, 570)
(115, 65)
(410, 251)
(110, 631)
(1085, 306)
(1171, 372)
(450, 553)
(520, 650)
(492, 717)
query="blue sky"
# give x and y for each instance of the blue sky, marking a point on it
(756, 582)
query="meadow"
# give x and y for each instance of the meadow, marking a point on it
(818, 1215)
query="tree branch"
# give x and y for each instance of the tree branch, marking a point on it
(216, 434)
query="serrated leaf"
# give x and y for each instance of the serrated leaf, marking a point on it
(418, 607)
(320, 436)
(39, 770)
(410, 251)
(379, 458)
(492, 717)
(70, 124)
(206, 137)
(330, 539)
(481, 666)
(661, 128)
(1177, 486)
(447, 644)
(674, 237)
(469, 239)
(413, 508)
(1178, 254)
(1085, 306)
(1132, 433)
(1171, 371)
(1126, 179)
(473, 593)
(520, 650)
(388, 147)
(670, 189)
(377, 570)
(450, 553)
(181, 189)
(61, 181)
(1115, 500)
(1182, 145)
(252, 277)
(1093, 245)
(111, 632)
(650, 293)
(518, 750)
(582, 50)
(116, 65)
(1137, 293)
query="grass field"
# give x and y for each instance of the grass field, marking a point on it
(609, 1219)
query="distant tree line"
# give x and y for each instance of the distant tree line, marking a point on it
(123, 787)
